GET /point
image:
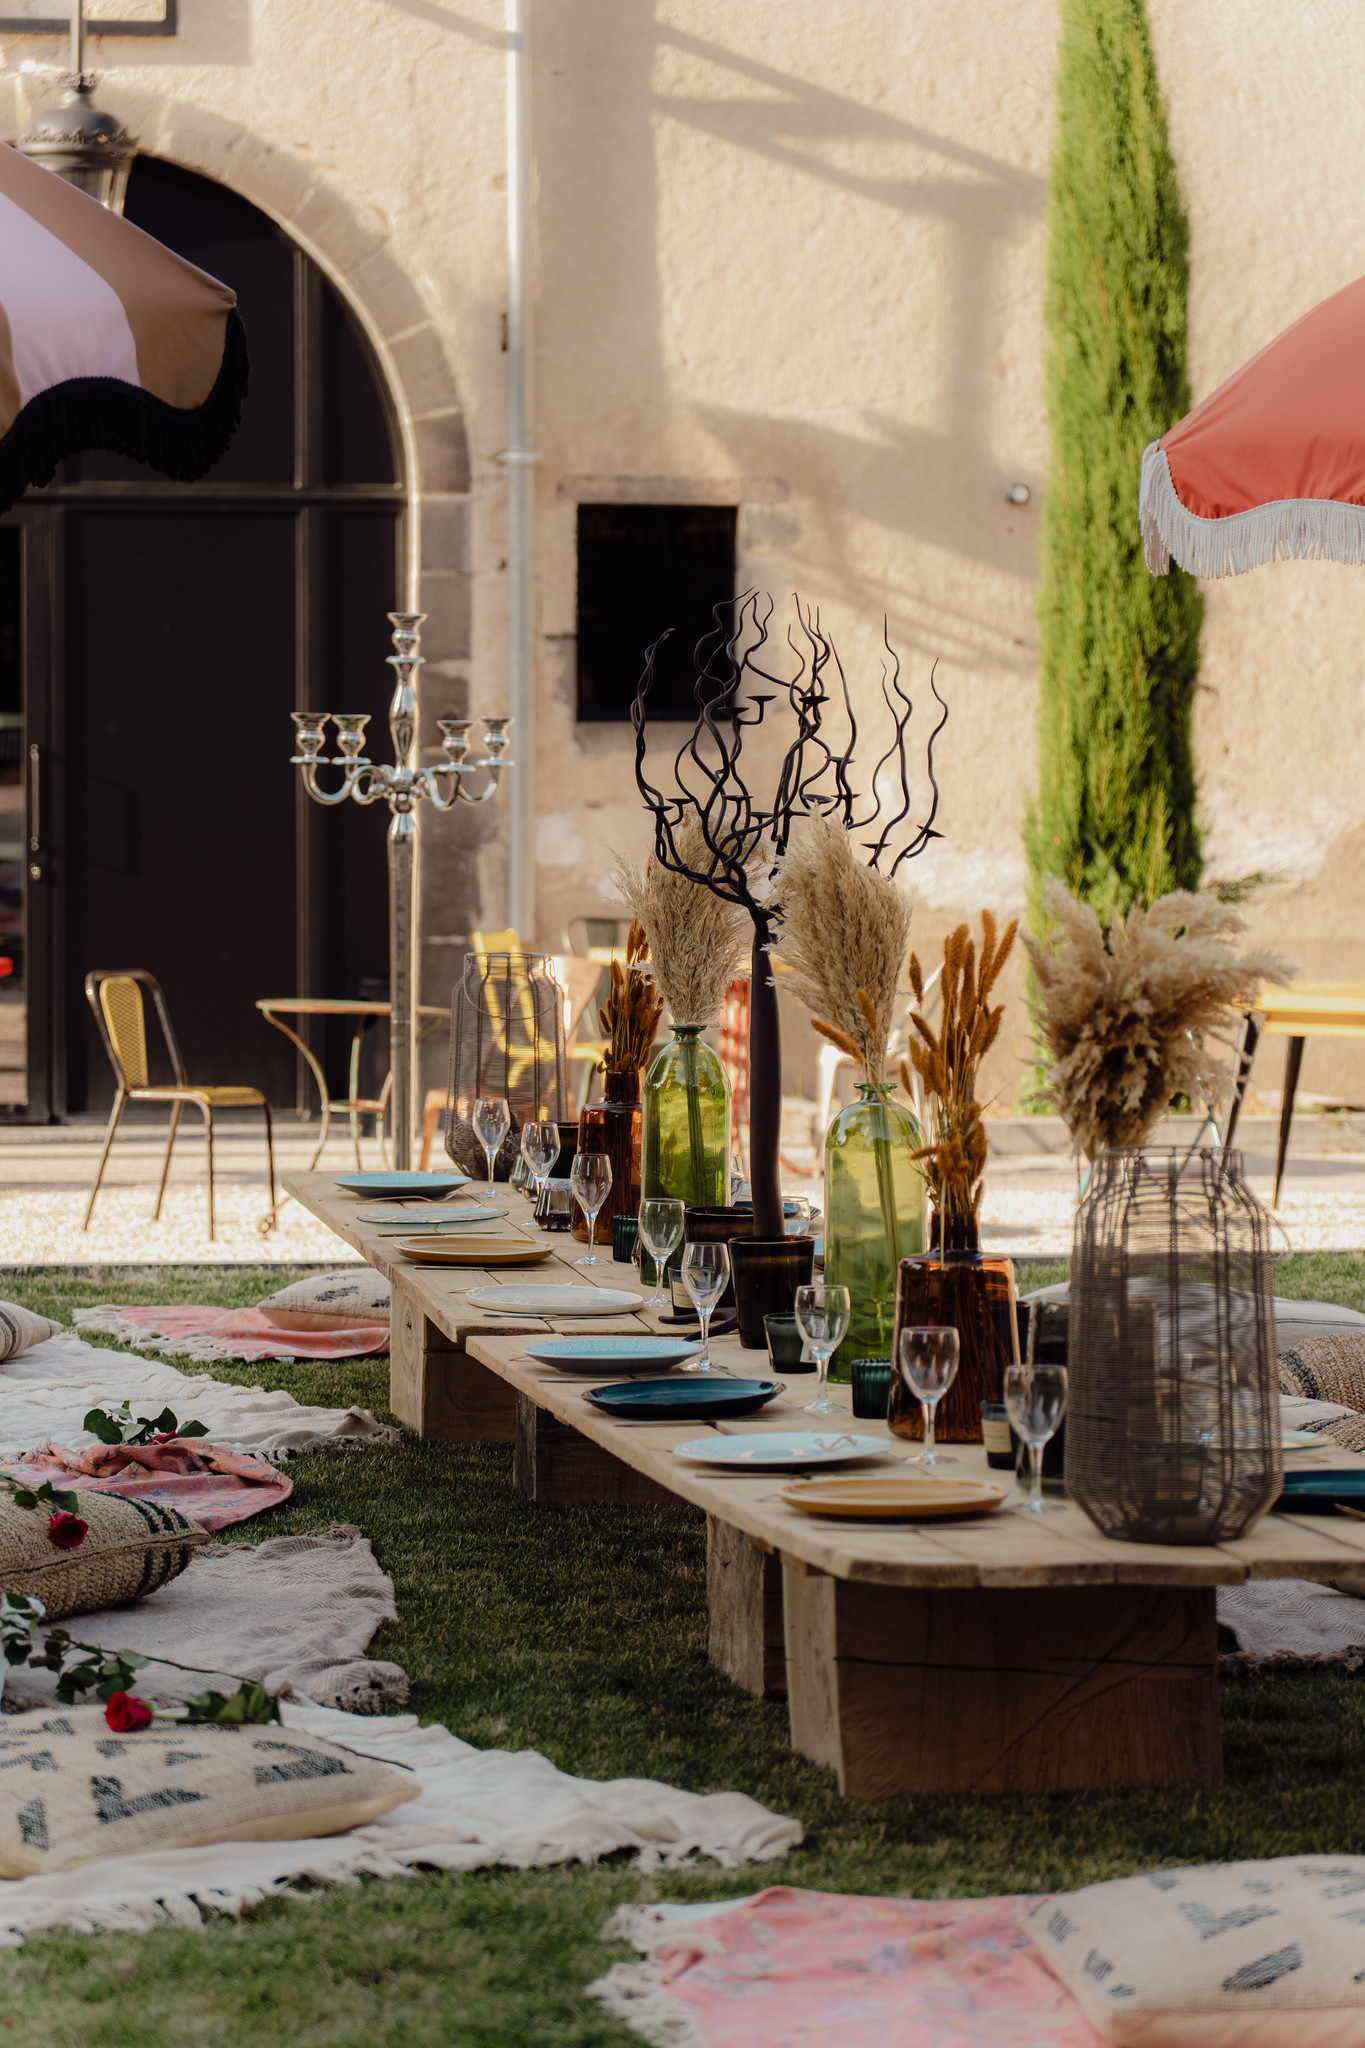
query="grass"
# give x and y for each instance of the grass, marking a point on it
(581, 1633)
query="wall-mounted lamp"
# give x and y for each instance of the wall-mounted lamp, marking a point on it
(91, 150)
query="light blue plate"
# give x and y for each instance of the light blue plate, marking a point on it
(591, 1355)
(401, 1183)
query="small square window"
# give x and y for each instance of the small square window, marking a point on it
(642, 568)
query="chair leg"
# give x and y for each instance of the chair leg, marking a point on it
(272, 1218)
(176, 1108)
(120, 1099)
(430, 1117)
(206, 1111)
(1293, 1060)
(1247, 1042)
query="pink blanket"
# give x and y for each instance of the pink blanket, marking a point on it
(796, 1969)
(246, 1333)
(214, 1487)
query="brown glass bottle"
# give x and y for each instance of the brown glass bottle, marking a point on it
(953, 1284)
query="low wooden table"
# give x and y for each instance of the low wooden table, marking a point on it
(1303, 1010)
(1002, 1655)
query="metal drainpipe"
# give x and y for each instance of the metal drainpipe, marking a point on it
(520, 459)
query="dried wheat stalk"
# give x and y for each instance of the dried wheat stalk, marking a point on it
(697, 942)
(843, 934)
(1127, 1014)
(947, 1061)
(630, 1016)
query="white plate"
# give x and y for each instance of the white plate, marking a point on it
(458, 1216)
(1303, 1440)
(594, 1355)
(757, 1453)
(568, 1298)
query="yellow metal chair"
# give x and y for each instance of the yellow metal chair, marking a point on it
(116, 998)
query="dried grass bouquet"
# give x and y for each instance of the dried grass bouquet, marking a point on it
(947, 1062)
(697, 943)
(844, 931)
(630, 1016)
(1127, 1014)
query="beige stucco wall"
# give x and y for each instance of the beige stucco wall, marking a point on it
(792, 257)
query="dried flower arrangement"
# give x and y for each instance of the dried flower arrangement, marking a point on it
(696, 941)
(630, 1016)
(1127, 1014)
(947, 1062)
(842, 937)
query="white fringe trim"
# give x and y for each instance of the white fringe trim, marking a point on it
(1307, 529)
(635, 1994)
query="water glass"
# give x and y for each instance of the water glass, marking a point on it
(928, 1364)
(705, 1275)
(1035, 1397)
(661, 1229)
(492, 1121)
(540, 1149)
(822, 1318)
(590, 1179)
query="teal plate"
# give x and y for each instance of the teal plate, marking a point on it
(684, 1400)
(612, 1354)
(1320, 1492)
(401, 1183)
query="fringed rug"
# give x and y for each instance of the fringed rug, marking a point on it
(213, 1486)
(189, 1331)
(1291, 1625)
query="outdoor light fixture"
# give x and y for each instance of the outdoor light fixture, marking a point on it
(403, 786)
(91, 150)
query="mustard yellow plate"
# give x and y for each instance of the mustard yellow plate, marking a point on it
(895, 1497)
(472, 1251)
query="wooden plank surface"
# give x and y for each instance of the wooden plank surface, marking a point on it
(1314, 1009)
(1005, 1551)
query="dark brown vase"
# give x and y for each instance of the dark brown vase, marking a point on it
(614, 1127)
(718, 1226)
(954, 1286)
(767, 1272)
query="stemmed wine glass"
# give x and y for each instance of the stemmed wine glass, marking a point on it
(1035, 1397)
(540, 1149)
(590, 1179)
(822, 1318)
(705, 1272)
(928, 1363)
(661, 1229)
(492, 1122)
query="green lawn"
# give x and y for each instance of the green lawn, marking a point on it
(581, 1632)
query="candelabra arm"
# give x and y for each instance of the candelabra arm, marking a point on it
(349, 784)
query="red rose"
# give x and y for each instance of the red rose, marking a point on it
(122, 1711)
(68, 1532)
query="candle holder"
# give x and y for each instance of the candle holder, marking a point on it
(403, 786)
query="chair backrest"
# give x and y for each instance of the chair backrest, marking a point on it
(117, 1000)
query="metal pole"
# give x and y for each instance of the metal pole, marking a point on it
(520, 460)
(402, 851)
(78, 37)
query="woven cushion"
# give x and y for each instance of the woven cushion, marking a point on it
(20, 1328)
(131, 1547)
(358, 1296)
(71, 1790)
(1217, 1955)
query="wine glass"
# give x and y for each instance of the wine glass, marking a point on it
(492, 1122)
(822, 1318)
(661, 1229)
(705, 1272)
(1035, 1396)
(590, 1179)
(928, 1363)
(540, 1149)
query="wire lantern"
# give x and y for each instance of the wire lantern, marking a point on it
(1173, 1409)
(506, 1038)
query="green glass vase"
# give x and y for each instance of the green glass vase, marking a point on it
(686, 1141)
(874, 1217)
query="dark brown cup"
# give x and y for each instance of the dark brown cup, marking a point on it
(719, 1226)
(767, 1272)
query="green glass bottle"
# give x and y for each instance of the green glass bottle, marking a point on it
(874, 1217)
(686, 1145)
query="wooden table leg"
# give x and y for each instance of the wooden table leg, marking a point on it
(559, 1467)
(437, 1389)
(744, 1637)
(1293, 1062)
(902, 1690)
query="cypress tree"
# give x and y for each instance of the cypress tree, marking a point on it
(1119, 648)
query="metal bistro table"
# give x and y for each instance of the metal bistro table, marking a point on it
(1007, 1654)
(275, 1009)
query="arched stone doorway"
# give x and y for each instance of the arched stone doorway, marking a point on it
(163, 634)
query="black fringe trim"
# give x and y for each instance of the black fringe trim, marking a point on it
(104, 412)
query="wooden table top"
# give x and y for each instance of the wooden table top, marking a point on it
(999, 1550)
(1314, 1009)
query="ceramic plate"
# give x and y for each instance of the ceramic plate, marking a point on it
(768, 1453)
(685, 1399)
(452, 1216)
(472, 1251)
(895, 1498)
(568, 1298)
(1318, 1493)
(1301, 1440)
(401, 1183)
(593, 1355)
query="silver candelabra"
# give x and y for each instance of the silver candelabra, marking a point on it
(404, 786)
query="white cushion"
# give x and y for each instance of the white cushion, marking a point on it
(20, 1329)
(359, 1295)
(1216, 1955)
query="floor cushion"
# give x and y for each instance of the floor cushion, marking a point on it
(1267, 1954)
(72, 1790)
(20, 1329)
(130, 1547)
(329, 1301)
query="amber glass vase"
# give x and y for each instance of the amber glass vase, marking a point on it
(614, 1127)
(954, 1286)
